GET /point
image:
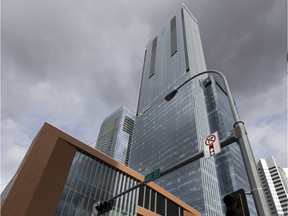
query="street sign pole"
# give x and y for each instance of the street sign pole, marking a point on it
(242, 140)
(211, 145)
(152, 176)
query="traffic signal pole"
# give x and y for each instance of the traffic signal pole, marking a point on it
(234, 137)
(239, 135)
(247, 154)
(250, 165)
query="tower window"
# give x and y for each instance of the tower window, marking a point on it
(185, 42)
(173, 36)
(153, 58)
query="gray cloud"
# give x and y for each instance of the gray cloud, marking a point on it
(252, 52)
(72, 63)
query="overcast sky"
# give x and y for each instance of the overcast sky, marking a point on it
(71, 63)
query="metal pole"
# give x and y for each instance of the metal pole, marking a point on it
(243, 142)
(247, 154)
(246, 151)
(250, 165)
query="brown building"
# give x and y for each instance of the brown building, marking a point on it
(62, 176)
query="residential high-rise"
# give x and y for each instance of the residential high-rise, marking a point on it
(230, 167)
(166, 133)
(115, 135)
(275, 185)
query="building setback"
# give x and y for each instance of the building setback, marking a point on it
(275, 185)
(115, 135)
(62, 176)
(166, 133)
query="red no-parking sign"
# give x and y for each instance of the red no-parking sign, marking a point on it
(211, 145)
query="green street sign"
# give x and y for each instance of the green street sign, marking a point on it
(152, 176)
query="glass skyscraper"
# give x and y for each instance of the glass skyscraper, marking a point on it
(115, 135)
(166, 133)
(230, 167)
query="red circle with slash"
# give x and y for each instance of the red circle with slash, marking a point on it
(210, 140)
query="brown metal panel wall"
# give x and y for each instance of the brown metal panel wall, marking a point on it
(52, 182)
(186, 213)
(144, 212)
(32, 176)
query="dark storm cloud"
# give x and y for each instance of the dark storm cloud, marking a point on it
(246, 40)
(72, 63)
(62, 38)
(71, 45)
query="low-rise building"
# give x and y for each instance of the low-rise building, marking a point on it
(62, 176)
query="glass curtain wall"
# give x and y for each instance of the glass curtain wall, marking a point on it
(90, 180)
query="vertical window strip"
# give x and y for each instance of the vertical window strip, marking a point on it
(118, 189)
(135, 197)
(185, 41)
(103, 180)
(96, 167)
(80, 182)
(138, 103)
(88, 188)
(124, 187)
(153, 58)
(173, 36)
(128, 197)
(122, 199)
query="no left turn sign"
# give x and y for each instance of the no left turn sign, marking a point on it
(210, 140)
(211, 145)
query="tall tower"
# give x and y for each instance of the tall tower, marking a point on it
(115, 136)
(166, 133)
(275, 184)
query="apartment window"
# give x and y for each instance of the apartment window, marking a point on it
(153, 193)
(153, 58)
(141, 195)
(147, 198)
(172, 208)
(173, 36)
(160, 204)
(280, 193)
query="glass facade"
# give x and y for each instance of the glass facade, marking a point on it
(115, 136)
(166, 133)
(91, 180)
(230, 167)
